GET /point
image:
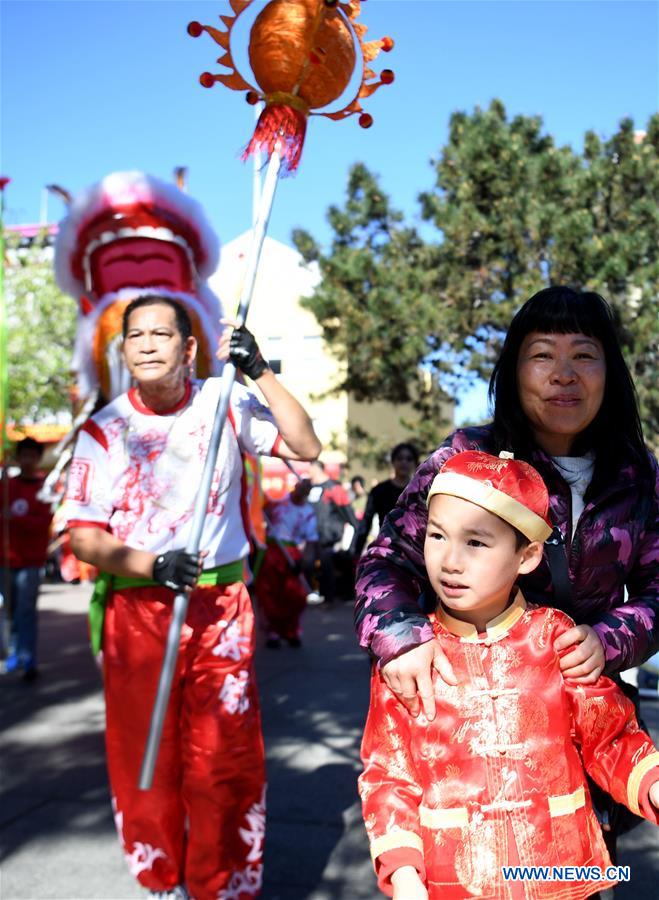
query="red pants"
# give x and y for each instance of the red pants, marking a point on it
(282, 597)
(202, 824)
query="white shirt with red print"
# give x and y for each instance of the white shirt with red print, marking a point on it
(137, 472)
(294, 523)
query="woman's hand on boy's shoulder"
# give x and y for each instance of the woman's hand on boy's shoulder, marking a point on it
(584, 660)
(407, 884)
(409, 676)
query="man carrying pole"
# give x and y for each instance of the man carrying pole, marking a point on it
(129, 506)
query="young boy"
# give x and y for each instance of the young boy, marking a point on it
(497, 778)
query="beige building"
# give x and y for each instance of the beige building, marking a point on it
(291, 339)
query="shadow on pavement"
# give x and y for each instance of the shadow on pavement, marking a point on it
(67, 670)
(52, 752)
(314, 703)
(299, 846)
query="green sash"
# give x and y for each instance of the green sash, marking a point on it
(227, 574)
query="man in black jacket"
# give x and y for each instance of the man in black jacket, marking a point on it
(404, 460)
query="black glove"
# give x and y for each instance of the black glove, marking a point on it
(244, 353)
(176, 569)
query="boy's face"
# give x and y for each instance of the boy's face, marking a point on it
(472, 559)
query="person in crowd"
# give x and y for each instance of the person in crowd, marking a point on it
(334, 511)
(129, 505)
(564, 401)
(499, 778)
(23, 559)
(291, 550)
(383, 497)
(358, 496)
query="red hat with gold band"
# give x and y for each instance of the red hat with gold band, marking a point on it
(507, 487)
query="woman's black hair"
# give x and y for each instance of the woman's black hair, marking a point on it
(411, 449)
(615, 435)
(183, 321)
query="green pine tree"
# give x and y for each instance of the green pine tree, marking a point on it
(376, 304)
(41, 324)
(513, 213)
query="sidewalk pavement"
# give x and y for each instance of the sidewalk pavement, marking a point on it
(57, 837)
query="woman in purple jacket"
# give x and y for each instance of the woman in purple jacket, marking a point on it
(564, 401)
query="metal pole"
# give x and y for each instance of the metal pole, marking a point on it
(256, 175)
(228, 376)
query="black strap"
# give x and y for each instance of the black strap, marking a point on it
(560, 577)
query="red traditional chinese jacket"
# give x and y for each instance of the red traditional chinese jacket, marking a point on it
(497, 777)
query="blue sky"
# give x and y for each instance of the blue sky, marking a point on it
(92, 87)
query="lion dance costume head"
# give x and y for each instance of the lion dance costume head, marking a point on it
(129, 235)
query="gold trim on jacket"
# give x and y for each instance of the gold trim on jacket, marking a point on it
(394, 840)
(636, 776)
(496, 628)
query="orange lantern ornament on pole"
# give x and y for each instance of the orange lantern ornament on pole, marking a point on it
(303, 54)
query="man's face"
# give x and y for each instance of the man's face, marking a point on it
(358, 488)
(153, 347)
(28, 459)
(404, 464)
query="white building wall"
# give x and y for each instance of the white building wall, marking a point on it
(287, 332)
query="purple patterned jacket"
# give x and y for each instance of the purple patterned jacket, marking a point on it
(615, 545)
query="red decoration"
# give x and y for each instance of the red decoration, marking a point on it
(302, 55)
(283, 128)
(252, 98)
(509, 488)
(206, 80)
(387, 76)
(4, 181)
(133, 215)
